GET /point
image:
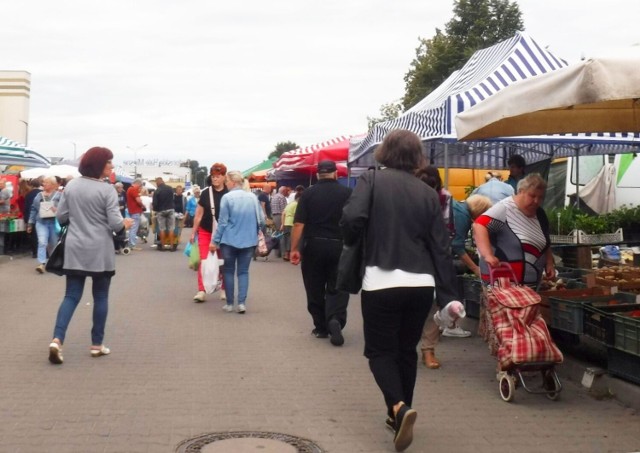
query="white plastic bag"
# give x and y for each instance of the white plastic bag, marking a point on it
(446, 317)
(210, 270)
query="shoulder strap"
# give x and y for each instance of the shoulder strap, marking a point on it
(544, 224)
(213, 206)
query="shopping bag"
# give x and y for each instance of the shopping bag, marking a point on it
(187, 249)
(194, 256)
(210, 271)
(261, 249)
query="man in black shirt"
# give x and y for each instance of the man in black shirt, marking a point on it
(264, 198)
(317, 216)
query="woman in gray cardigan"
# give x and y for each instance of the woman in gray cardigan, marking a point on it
(90, 208)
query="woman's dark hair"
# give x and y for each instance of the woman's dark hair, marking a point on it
(93, 161)
(431, 176)
(402, 150)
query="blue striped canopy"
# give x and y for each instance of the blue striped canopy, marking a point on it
(485, 73)
(14, 153)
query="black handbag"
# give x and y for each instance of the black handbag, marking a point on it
(351, 265)
(56, 258)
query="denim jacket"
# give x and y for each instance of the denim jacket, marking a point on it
(239, 221)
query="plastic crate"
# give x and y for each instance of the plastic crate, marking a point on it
(580, 237)
(627, 334)
(609, 238)
(624, 365)
(472, 294)
(471, 288)
(472, 308)
(563, 238)
(567, 313)
(598, 321)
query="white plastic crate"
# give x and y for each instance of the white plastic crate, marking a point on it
(580, 237)
(603, 239)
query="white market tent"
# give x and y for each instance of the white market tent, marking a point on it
(487, 72)
(14, 153)
(600, 94)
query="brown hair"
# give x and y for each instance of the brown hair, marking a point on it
(431, 176)
(401, 149)
(93, 161)
(218, 169)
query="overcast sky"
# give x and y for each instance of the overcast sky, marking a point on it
(226, 81)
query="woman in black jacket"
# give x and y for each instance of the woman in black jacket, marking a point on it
(406, 257)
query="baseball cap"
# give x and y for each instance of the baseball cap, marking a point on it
(218, 169)
(326, 166)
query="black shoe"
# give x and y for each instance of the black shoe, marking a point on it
(390, 423)
(405, 418)
(320, 333)
(335, 329)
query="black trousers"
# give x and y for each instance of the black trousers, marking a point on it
(393, 320)
(319, 271)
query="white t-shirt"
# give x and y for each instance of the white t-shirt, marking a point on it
(376, 278)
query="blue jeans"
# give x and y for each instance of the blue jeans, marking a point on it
(47, 238)
(233, 256)
(133, 231)
(72, 296)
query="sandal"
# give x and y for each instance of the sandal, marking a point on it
(55, 353)
(102, 350)
(429, 359)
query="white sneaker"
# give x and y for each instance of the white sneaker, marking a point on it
(228, 308)
(241, 309)
(199, 297)
(457, 332)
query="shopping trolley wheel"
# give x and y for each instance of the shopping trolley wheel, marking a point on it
(126, 251)
(507, 387)
(551, 384)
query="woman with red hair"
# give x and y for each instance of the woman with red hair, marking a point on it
(89, 208)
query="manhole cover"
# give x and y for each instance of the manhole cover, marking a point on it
(247, 442)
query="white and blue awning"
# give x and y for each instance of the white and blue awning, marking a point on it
(14, 153)
(487, 72)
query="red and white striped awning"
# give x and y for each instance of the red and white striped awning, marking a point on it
(304, 157)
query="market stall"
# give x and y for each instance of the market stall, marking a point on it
(300, 165)
(487, 73)
(596, 100)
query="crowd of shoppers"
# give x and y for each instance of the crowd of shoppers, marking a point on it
(413, 230)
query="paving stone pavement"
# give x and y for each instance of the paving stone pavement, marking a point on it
(180, 369)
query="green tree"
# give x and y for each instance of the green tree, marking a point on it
(388, 112)
(281, 148)
(193, 165)
(200, 175)
(476, 24)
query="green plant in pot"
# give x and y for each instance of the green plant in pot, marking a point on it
(562, 220)
(627, 218)
(593, 224)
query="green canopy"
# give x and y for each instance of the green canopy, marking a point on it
(264, 165)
